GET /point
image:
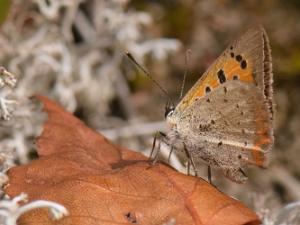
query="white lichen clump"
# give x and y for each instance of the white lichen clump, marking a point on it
(73, 52)
(7, 82)
(11, 210)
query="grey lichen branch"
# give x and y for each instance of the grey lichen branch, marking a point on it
(7, 82)
(7, 78)
(11, 210)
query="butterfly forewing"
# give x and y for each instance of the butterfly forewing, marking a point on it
(247, 59)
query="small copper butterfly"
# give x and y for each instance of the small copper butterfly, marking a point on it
(226, 118)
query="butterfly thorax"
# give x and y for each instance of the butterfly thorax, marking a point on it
(172, 119)
(173, 137)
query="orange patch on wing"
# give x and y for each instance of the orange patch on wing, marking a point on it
(259, 157)
(232, 68)
(210, 79)
(264, 138)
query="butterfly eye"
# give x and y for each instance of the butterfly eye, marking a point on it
(169, 111)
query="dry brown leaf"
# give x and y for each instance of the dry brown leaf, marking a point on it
(100, 183)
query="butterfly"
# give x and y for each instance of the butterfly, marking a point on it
(226, 118)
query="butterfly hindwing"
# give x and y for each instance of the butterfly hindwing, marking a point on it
(226, 128)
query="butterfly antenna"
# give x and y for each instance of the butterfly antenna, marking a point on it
(148, 74)
(187, 67)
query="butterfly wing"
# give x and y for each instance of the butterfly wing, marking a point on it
(226, 118)
(248, 59)
(229, 128)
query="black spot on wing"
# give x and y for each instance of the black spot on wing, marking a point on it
(204, 127)
(244, 64)
(207, 89)
(238, 58)
(221, 76)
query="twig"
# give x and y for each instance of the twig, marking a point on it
(281, 175)
(134, 130)
(85, 28)
(142, 130)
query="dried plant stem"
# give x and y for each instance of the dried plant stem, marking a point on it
(134, 130)
(292, 185)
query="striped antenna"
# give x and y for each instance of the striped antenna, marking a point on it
(187, 67)
(148, 75)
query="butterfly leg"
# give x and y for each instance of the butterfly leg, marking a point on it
(191, 160)
(188, 167)
(235, 174)
(153, 145)
(156, 137)
(155, 159)
(171, 151)
(209, 174)
(194, 167)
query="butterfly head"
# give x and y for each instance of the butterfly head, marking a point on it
(169, 109)
(171, 115)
